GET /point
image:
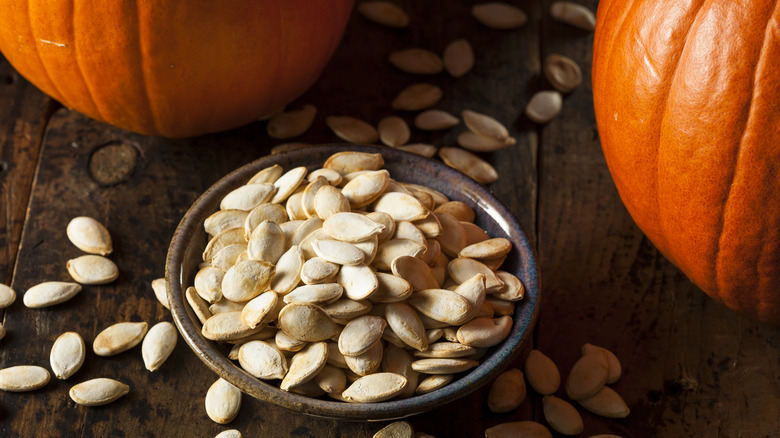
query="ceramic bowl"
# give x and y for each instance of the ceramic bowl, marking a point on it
(188, 242)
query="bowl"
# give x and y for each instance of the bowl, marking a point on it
(492, 215)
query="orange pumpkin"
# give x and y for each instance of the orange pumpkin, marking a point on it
(172, 68)
(687, 100)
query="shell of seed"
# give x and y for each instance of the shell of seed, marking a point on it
(544, 106)
(158, 344)
(288, 271)
(208, 283)
(360, 334)
(22, 378)
(485, 332)
(230, 433)
(160, 292)
(288, 183)
(338, 252)
(443, 365)
(198, 304)
(542, 373)
(417, 97)
(262, 360)
(384, 12)
(331, 379)
(615, 368)
(334, 178)
(375, 388)
(446, 350)
(267, 242)
(401, 207)
(227, 326)
(247, 197)
(406, 324)
(317, 294)
(328, 201)
(435, 120)
(351, 227)
(440, 304)
(468, 163)
(573, 14)
(396, 429)
(530, 429)
(606, 403)
(366, 188)
(366, 363)
(264, 212)
(89, 235)
(416, 61)
(352, 129)
(507, 392)
(98, 392)
(351, 161)
(461, 269)
(513, 288)
(480, 143)
(425, 150)
(245, 280)
(305, 364)
(267, 175)
(562, 72)
(307, 322)
(7, 296)
(225, 238)
(390, 289)
(459, 210)
(484, 125)
(92, 269)
(293, 123)
(359, 281)
(67, 355)
(588, 375)
(433, 382)
(119, 337)
(498, 15)
(223, 401)
(458, 58)
(393, 131)
(561, 415)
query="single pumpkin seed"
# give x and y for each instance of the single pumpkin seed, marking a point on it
(352, 129)
(307, 322)
(408, 230)
(227, 326)
(473, 290)
(22, 378)
(474, 234)
(294, 207)
(338, 252)
(288, 183)
(223, 401)
(89, 235)
(328, 201)
(360, 334)
(485, 332)
(305, 364)
(267, 175)
(406, 324)
(208, 282)
(375, 388)
(563, 73)
(263, 212)
(259, 310)
(317, 270)
(443, 365)
(396, 359)
(573, 14)
(396, 429)
(487, 249)
(529, 429)
(119, 337)
(507, 392)
(267, 243)
(440, 304)
(351, 227)
(158, 344)
(306, 244)
(331, 379)
(366, 188)
(287, 273)
(615, 368)
(334, 178)
(606, 403)
(306, 228)
(351, 161)
(544, 106)
(435, 120)
(485, 125)
(230, 433)
(384, 12)
(227, 256)
(390, 289)
(98, 392)
(433, 382)
(498, 15)
(317, 294)
(461, 269)
(499, 306)
(425, 150)
(285, 343)
(400, 206)
(458, 58)
(225, 305)
(359, 281)
(7, 296)
(247, 279)
(345, 308)
(446, 350)
(468, 163)
(437, 196)
(262, 360)
(67, 355)
(542, 373)
(416, 61)
(366, 363)
(415, 271)
(480, 143)
(231, 236)
(459, 210)
(588, 375)
(394, 248)
(561, 415)
(293, 123)
(198, 304)
(513, 288)
(92, 269)
(417, 97)
(247, 197)
(50, 293)
(309, 193)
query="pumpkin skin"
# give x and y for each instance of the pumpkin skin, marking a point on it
(172, 68)
(687, 101)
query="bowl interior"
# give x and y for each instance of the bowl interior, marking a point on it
(190, 239)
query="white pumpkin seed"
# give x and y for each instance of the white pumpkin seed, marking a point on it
(267, 175)
(359, 281)
(615, 368)
(119, 337)
(458, 58)
(435, 120)
(293, 123)
(267, 243)
(366, 363)
(480, 143)
(606, 403)
(228, 256)
(507, 392)
(366, 188)
(561, 415)
(307, 322)
(89, 235)
(331, 379)
(294, 206)
(351, 161)
(542, 373)
(262, 360)
(440, 304)
(158, 344)
(7, 296)
(92, 269)
(208, 283)
(416, 61)
(473, 290)
(485, 332)
(285, 343)
(230, 433)
(461, 269)
(263, 212)
(470, 164)
(390, 289)
(443, 365)
(328, 201)
(351, 227)
(513, 288)
(360, 334)
(67, 355)
(446, 350)
(417, 97)
(227, 326)
(375, 388)
(305, 364)
(425, 150)
(288, 183)
(247, 279)
(22, 378)
(338, 252)
(347, 309)
(223, 401)
(394, 248)
(198, 304)
(317, 294)
(384, 12)
(225, 305)
(231, 236)
(498, 15)
(352, 129)
(396, 429)
(459, 210)
(544, 106)
(400, 206)
(406, 324)
(98, 392)
(588, 375)
(247, 197)
(529, 429)
(433, 382)
(307, 227)
(287, 273)
(573, 14)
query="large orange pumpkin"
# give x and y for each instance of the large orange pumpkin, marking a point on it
(687, 99)
(170, 67)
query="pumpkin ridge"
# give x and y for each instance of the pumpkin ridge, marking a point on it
(144, 82)
(34, 43)
(77, 58)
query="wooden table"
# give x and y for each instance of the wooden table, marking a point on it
(691, 367)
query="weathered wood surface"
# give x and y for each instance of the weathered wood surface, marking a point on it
(691, 367)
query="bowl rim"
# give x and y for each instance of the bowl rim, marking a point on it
(524, 318)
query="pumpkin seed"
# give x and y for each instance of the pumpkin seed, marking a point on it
(435, 120)
(446, 350)
(360, 334)
(375, 388)
(352, 130)
(416, 61)
(347, 309)
(443, 365)
(338, 252)
(351, 227)
(425, 150)
(7, 296)
(615, 368)
(573, 14)
(480, 143)
(397, 360)
(461, 269)
(266, 244)
(530, 429)
(485, 125)
(359, 281)
(317, 270)
(98, 392)
(22, 378)
(588, 375)
(331, 379)
(384, 12)
(328, 201)
(474, 234)
(287, 147)
(440, 304)
(487, 249)
(119, 337)
(470, 164)
(247, 279)
(285, 343)
(415, 271)
(458, 58)
(307, 227)
(406, 324)
(366, 363)
(485, 332)
(89, 235)
(473, 290)
(92, 269)
(228, 256)
(287, 273)
(563, 73)
(288, 183)
(499, 15)
(224, 305)
(305, 364)
(262, 360)
(223, 401)
(507, 392)
(408, 230)
(247, 197)
(294, 207)
(459, 210)
(307, 322)
(334, 178)
(396, 429)
(561, 415)
(606, 403)
(499, 306)
(390, 289)
(417, 97)
(434, 382)
(366, 188)
(198, 305)
(542, 373)
(309, 193)
(259, 310)
(67, 355)
(227, 326)
(230, 433)
(351, 161)
(394, 248)
(437, 197)
(290, 124)
(208, 282)
(231, 236)
(263, 212)
(400, 206)
(513, 288)
(158, 344)
(317, 294)
(267, 175)
(544, 106)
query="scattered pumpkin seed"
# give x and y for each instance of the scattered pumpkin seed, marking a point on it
(425, 150)
(417, 97)
(7, 296)
(468, 163)
(393, 131)
(262, 360)
(223, 401)
(89, 235)
(480, 143)
(573, 14)
(458, 58)
(384, 12)
(290, 124)
(588, 375)
(352, 129)
(396, 429)
(498, 15)
(561, 415)
(98, 392)
(158, 344)
(607, 403)
(544, 106)
(67, 355)
(542, 373)
(92, 269)
(530, 429)
(435, 120)
(563, 73)
(416, 61)
(615, 368)
(50, 293)
(118, 338)
(22, 378)
(507, 392)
